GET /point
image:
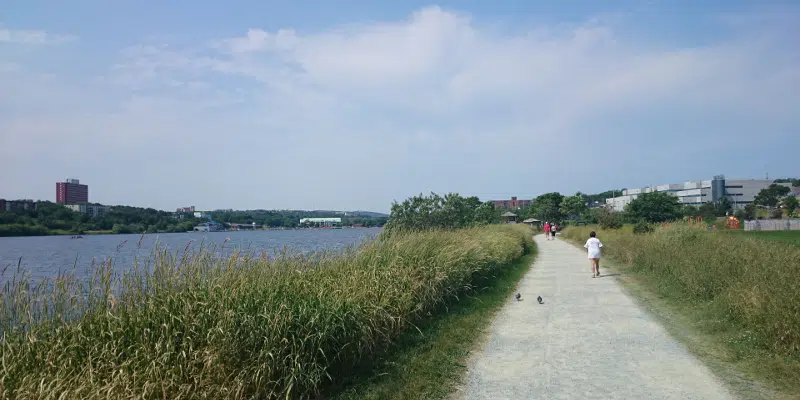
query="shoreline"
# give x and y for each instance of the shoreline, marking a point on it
(99, 233)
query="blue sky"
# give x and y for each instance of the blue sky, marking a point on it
(353, 104)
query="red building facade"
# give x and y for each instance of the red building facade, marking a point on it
(71, 192)
(512, 204)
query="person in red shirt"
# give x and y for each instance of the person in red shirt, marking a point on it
(547, 230)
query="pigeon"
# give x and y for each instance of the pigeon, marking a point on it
(518, 297)
(539, 299)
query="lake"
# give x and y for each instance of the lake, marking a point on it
(45, 256)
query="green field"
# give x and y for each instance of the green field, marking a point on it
(790, 237)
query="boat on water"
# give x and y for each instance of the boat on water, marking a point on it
(76, 237)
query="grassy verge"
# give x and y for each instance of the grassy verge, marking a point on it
(430, 363)
(193, 325)
(732, 299)
(787, 237)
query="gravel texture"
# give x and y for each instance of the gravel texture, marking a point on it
(589, 340)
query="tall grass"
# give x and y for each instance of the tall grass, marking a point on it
(746, 281)
(193, 325)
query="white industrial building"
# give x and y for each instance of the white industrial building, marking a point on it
(740, 192)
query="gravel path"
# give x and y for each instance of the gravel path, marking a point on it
(589, 340)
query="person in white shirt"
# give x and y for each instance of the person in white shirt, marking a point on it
(593, 246)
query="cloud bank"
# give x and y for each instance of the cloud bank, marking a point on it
(352, 117)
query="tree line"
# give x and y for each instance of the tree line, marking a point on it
(291, 218)
(654, 207)
(451, 211)
(48, 218)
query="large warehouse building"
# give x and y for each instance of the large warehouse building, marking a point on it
(740, 192)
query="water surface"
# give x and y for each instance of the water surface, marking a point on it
(45, 256)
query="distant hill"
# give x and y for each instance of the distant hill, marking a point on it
(316, 213)
(369, 214)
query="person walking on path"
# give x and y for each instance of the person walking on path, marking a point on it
(547, 230)
(553, 230)
(593, 246)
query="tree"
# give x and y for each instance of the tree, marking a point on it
(436, 212)
(654, 207)
(790, 203)
(573, 205)
(750, 212)
(723, 207)
(772, 195)
(547, 207)
(607, 219)
(794, 181)
(601, 197)
(708, 211)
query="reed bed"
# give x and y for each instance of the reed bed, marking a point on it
(192, 325)
(740, 279)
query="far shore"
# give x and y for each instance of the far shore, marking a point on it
(109, 232)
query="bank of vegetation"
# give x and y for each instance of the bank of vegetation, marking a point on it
(740, 289)
(47, 218)
(188, 324)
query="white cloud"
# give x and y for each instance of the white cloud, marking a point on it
(354, 116)
(33, 37)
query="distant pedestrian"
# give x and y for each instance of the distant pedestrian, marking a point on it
(553, 229)
(593, 246)
(547, 230)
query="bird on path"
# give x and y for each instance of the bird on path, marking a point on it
(518, 297)
(539, 299)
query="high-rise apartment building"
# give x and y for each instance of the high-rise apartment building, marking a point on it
(71, 192)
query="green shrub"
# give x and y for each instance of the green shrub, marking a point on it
(193, 325)
(451, 211)
(642, 228)
(608, 219)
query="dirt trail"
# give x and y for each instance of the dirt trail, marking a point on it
(589, 340)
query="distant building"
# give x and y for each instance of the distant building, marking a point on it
(209, 227)
(739, 192)
(321, 221)
(201, 214)
(17, 205)
(92, 210)
(189, 209)
(239, 227)
(71, 192)
(595, 204)
(512, 204)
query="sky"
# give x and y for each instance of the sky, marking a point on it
(353, 104)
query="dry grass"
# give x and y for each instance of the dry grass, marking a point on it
(740, 288)
(192, 325)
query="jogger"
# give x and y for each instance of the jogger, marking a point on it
(593, 246)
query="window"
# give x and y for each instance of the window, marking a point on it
(734, 187)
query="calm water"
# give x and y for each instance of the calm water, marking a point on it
(44, 256)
